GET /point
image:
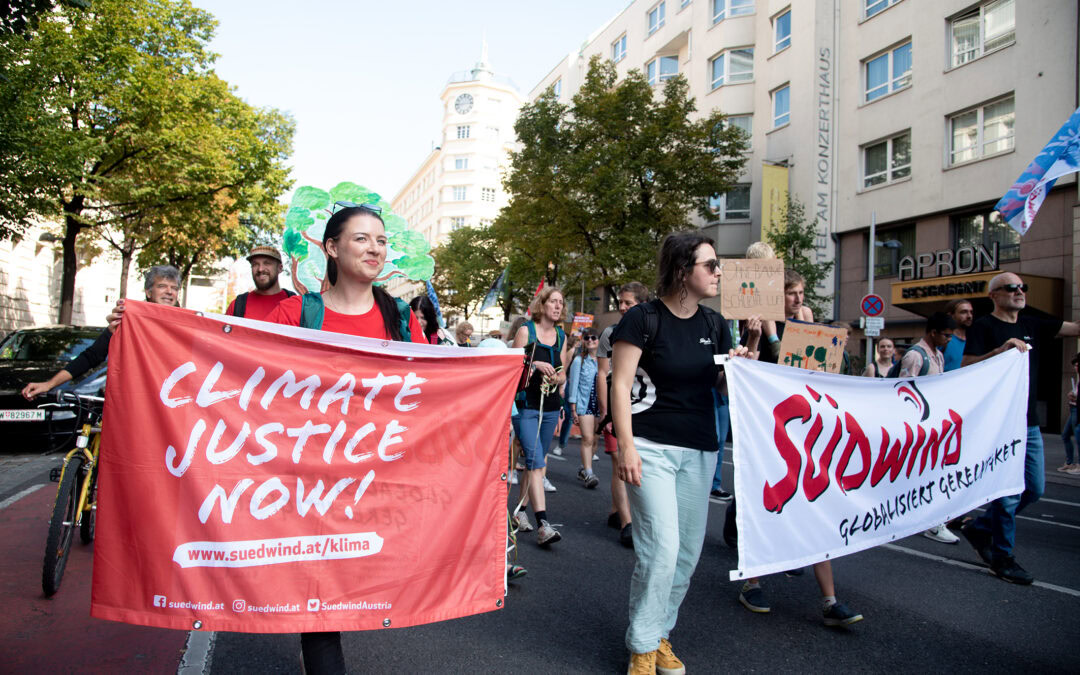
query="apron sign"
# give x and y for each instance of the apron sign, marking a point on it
(948, 262)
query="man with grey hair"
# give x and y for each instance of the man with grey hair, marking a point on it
(162, 286)
(993, 533)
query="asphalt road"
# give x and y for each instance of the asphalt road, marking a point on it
(927, 605)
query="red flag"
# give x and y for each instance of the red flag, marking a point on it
(297, 480)
(538, 289)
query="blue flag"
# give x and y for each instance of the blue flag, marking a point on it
(1061, 156)
(435, 302)
(493, 294)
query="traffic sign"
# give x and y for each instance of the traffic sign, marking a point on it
(872, 332)
(875, 322)
(872, 304)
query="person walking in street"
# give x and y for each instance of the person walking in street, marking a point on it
(665, 420)
(424, 311)
(462, 333)
(566, 415)
(581, 393)
(1071, 432)
(630, 294)
(545, 343)
(993, 533)
(880, 366)
(265, 269)
(962, 314)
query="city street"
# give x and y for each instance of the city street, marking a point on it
(928, 606)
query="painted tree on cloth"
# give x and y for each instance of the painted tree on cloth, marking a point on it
(113, 118)
(794, 242)
(407, 251)
(598, 183)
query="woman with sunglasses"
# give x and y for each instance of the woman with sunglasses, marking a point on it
(581, 393)
(663, 405)
(355, 244)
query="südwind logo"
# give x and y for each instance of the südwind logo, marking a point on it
(919, 442)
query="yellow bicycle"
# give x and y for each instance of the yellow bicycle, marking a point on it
(76, 496)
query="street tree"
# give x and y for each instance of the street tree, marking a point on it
(467, 264)
(598, 183)
(119, 120)
(795, 240)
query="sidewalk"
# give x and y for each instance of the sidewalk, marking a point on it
(1054, 450)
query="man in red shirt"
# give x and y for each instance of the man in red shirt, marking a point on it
(265, 269)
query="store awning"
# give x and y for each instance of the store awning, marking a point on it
(926, 296)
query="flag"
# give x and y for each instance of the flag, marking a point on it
(1061, 156)
(538, 289)
(494, 292)
(435, 302)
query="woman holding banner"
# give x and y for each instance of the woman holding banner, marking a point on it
(545, 344)
(662, 402)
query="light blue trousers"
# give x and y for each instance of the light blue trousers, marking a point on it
(670, 511)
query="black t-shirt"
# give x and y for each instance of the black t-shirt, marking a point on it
(989, 332)
(671, 402)
(546, 354)
(91, 357)
(767, 352)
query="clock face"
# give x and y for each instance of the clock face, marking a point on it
(463, 104)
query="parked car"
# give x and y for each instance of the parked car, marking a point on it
(33, 355)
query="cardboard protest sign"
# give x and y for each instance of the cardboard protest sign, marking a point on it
(266, 478)
(752, 286)
(813, 346)
(827, 465)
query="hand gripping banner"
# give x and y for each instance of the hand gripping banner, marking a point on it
(264, 478)
(827, 465)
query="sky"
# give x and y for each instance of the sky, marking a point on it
(362, 79)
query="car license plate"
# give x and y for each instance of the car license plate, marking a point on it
(22, 415)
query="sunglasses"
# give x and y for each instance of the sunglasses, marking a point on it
(712, 265)
(591, 338)
(1012, 288)
(377, 210)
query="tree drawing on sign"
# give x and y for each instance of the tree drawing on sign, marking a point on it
(407, 252)
(747, 288)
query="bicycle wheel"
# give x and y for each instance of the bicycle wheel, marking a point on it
(61, 527)
(89, 517)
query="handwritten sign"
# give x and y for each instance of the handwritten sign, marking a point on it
(813, 346)
(752, 286)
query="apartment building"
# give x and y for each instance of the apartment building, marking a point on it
(918, 114)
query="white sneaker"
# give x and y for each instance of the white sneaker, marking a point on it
(941, 534)
(521, 520)
(513, 478)
(595, 457)
(547, 534)
(548, 487)
(557, 451)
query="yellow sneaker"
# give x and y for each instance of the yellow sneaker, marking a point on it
(666, 661)
(642, 664)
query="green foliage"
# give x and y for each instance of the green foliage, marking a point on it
(310, 198)
(466, 265)
(794, 242)
(597, 184)
(294, 244)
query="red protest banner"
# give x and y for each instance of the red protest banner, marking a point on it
(295, 480)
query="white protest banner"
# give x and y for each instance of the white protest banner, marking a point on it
(827, 465)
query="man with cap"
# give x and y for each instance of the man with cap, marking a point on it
(265, 268)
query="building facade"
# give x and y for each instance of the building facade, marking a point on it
(918, 115)
(460, 183)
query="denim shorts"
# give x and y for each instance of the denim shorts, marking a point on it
(536, 448)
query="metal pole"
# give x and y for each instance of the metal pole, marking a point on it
(870, 279)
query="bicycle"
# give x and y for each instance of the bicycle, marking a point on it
(76, 496)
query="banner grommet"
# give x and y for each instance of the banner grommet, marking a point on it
(386, 623)
(196, 624)
(498, 603)
(226, 328)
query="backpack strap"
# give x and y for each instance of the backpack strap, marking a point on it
(532, 330)
(405, 314)
(560, 338)
(311, 311)
(240, 305)
(652, 323)
(288, 293)
(925, 367)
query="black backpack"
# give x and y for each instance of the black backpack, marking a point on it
(240, 304)
(894, 371)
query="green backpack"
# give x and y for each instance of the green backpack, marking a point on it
(313, 308)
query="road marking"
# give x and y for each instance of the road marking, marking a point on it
(198, 653)
(19, 495)
(558, 457)
(1058, 501)
(966, 565)
(1045, 522)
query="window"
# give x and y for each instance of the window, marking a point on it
(656, 18)
(457, 223)
(984, 131)
(732, 67)
(984, 29)
(887, 161)
(618, 49)
(487, 194)
(461, 163)
(557, 88)
(875, 6)
(459, 193)
(463, 131)
(781, 106)
(782, 31)
(725, 9)
(733, 204)
(663, 68)
(887, 256)
(986, 229)
(888, 72)
(743, 123)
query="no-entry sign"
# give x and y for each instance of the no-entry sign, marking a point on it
(872, 304)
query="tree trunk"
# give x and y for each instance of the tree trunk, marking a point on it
(71, 258)
(126, 255)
